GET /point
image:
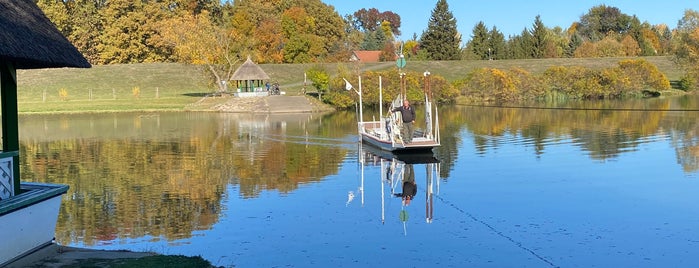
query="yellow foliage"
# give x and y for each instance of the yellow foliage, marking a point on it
(644, 75)
(486, 82)
(586, 50)
(630, 46)
(63, 94)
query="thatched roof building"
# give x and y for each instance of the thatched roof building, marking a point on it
(28, 39)
(249, 77)
(249, 71)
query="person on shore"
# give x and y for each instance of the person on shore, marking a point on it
(408, 114)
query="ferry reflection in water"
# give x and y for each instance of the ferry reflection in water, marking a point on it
(398, 180)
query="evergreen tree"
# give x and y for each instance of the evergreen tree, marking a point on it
(479, 44)
(539, 36)
(573, 44)
(374, 40)
(441, 41)
(496, 41)
(519, 46)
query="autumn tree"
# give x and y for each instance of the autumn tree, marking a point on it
(370, 20)
(86, 28)
(441, 41)
(601, 20)
(127, 32)
(303, 30)
(79, 21)
(686, 47)
(195, 39)
(410, 48)
(630, 46)
(57, 12)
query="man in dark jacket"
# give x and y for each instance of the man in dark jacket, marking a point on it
(409, 185)
(408, 114)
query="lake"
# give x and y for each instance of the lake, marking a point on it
(605, 184)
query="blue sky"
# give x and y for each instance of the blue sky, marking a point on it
(512, 16)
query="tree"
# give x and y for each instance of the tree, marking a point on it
(496, 41)
(57, 12)
(630, 46)
(196, 40)
(539, 38)
(86, 28)
(601, 20)
(128, 29)
(441, 41)
(303, 30)
(371, 20)
(479, 43)
(573, 44)
(410, 48)
(520, 46)
(686, 47)
(373, 40)
(320, 79)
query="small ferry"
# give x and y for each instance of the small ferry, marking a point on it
(386, 132)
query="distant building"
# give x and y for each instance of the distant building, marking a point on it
(365, 56)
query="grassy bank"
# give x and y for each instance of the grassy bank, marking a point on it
(163, 86)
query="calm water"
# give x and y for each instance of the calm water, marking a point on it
(610, 184)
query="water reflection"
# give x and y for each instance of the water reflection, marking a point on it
(164, 175)
(397, 178)
(176, 177)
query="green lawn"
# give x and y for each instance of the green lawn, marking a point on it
(169, 86)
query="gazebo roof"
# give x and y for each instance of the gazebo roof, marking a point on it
(29, 40)
(249, 71)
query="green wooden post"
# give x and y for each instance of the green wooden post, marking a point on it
(10, 122)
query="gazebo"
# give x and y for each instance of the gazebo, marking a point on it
(28, 211)
(249, 80)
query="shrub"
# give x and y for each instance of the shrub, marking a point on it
(136, 91)
(643, 75)
(63, 94)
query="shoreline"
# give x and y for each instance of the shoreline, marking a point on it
(54, 255)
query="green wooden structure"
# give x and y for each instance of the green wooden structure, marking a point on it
(28, 211)
(28, 40)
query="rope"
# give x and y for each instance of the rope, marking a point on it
(584, 109)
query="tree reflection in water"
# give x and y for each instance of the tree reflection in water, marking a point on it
(165, 176)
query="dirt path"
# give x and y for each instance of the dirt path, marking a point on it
(267, 104)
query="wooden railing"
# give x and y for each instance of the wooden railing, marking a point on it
(7, 178)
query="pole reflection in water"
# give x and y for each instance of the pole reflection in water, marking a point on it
(398, 174)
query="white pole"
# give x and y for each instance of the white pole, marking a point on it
(383, 206)
(380, 99)
(361, 116)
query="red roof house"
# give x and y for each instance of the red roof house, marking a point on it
(365, 55)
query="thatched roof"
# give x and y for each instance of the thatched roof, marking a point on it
(249, 71)
(29, 40)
